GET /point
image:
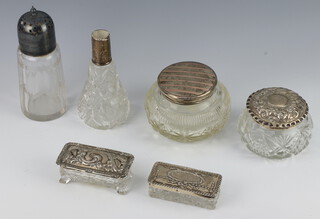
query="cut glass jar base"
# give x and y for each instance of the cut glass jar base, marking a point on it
(121, 185)
(274, 143)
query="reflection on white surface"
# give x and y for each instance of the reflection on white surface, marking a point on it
(250, 45)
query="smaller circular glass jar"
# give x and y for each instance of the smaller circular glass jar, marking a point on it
(275, 123)
(187, 103)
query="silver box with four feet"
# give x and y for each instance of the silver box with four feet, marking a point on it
(84, 163)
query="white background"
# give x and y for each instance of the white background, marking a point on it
(250, 45)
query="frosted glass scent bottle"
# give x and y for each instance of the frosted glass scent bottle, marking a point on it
(275, 123)
(42, 90)
(104, 102)
(187, 103)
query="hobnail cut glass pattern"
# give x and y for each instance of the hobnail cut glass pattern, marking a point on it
(121, 185)
(203, 202)
(188, 122)
(274, 143)
(42, 90)
(104, 102)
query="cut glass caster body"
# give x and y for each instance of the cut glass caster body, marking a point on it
(41, 80)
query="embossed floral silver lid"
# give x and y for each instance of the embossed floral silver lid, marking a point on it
(277, 107)
(100, 161)
(187, 83)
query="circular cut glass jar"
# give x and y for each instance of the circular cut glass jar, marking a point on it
(275, 123)
(187, 103)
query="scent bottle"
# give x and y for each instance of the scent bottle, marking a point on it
(275, 123)
(187, 103)
(41, 82)
(104, 102)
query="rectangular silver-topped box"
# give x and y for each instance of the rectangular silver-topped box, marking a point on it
(184, 185)
(85, 163)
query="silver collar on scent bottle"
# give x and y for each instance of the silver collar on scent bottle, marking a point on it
(277, 107)
(187, 83)
(101, 47)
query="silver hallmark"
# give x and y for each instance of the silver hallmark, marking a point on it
(184, 185)
(84, 163)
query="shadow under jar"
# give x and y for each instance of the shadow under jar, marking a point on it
(275, 123)
(187, 103)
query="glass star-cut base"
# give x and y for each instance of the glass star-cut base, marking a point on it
(274, 143)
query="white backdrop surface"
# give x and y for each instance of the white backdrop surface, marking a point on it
(250, 45)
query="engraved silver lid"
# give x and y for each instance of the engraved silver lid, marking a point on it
(277, 107)
(36, 33)
(187, 83)
(184, 180)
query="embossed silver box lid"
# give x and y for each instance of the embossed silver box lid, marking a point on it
(95, 160)
(184, 185)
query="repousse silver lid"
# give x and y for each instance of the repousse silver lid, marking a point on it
(187, 83)
(95, 160)
(277, 107)
(36, 33)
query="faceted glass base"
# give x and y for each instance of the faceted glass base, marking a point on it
(188, 122)
(274, 143)
(104, 102)
(121, 185)
(203, 202)
(42, 91)
(38, 117)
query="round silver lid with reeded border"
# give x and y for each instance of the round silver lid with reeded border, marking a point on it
(187, 83)
(277, 107)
